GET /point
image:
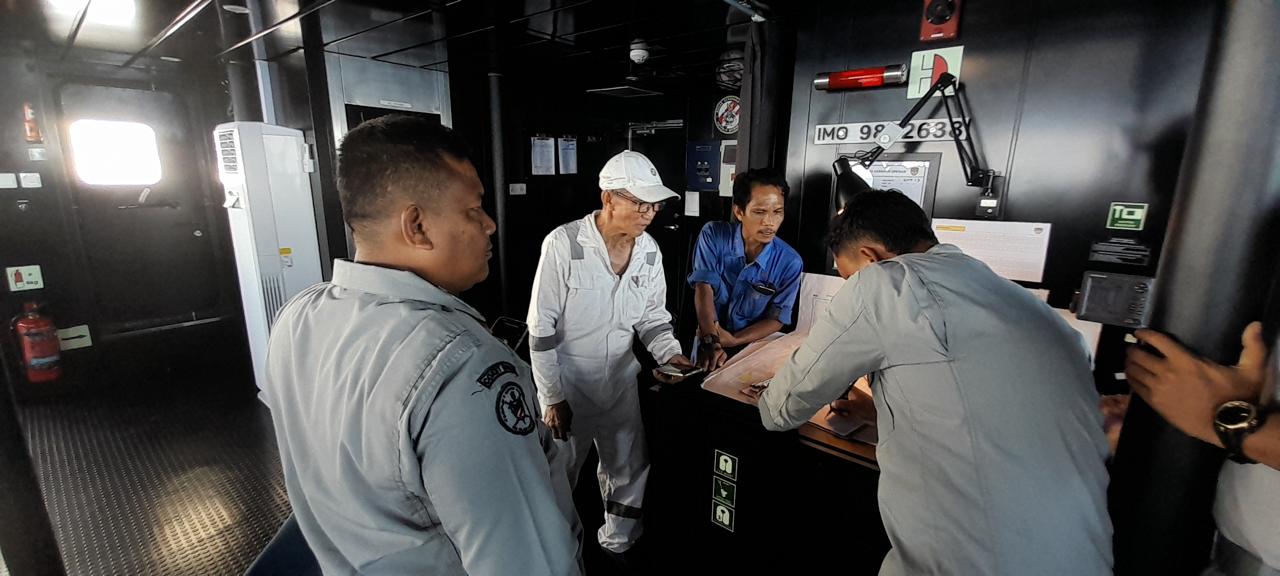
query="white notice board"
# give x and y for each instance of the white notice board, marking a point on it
(1014, 250)
(907, 176)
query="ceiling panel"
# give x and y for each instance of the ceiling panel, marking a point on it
(394, 36)
(685, 37)
(123, 26)
(289, 37)
(430, 55)
(346, 18)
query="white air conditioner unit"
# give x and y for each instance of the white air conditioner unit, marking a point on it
(273, 226)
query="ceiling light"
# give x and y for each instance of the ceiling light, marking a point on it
(235, 8)
(118, 13)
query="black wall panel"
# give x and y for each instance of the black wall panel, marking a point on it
(547, 97)
(1076, 105)
(36, 225)
(55, 231)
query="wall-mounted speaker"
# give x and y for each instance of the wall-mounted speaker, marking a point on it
(941, 20)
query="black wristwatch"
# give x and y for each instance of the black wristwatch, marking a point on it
(710, 340)
(1235, 421)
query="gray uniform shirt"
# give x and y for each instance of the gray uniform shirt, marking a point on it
(991, 445)
(411, 438)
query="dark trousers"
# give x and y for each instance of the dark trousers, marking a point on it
(286, 553)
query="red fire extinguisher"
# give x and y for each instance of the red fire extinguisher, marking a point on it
(38, 338)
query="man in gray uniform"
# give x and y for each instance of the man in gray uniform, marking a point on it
(991, 446)
(410, 437)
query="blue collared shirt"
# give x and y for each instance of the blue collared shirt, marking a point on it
(720, 261)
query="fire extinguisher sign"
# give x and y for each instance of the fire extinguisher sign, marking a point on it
(23, 278)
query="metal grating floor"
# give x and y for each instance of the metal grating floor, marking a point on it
(179, 483)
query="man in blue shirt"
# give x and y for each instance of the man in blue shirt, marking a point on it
(744, 278)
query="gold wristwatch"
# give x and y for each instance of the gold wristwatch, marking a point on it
(1234, 421)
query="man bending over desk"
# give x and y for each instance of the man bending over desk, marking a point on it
(991, 447)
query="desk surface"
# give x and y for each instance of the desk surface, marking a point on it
(811, 435)
(852, 450)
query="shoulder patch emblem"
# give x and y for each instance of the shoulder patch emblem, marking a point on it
(493, 373)
(513, 411)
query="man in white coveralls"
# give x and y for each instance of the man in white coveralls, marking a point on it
(600, 285)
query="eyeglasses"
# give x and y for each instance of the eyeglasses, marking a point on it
(641, 207)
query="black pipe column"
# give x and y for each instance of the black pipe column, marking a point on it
(242, 79)
(498, 164)
(335, 240)
(1219, 258)
(766, 94)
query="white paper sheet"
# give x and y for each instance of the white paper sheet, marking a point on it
(836, 424)
(849, 426)
(816, 291)
(544, 156)
(691, 200)
(30, 180)
(1014, 250)
(728, 166)
(568, 148)
(906, 176)
(1091, 332)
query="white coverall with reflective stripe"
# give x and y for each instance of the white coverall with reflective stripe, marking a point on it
(582, 319)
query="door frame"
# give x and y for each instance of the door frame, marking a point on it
(205, 177)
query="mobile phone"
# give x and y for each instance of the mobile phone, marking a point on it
(672, 370)
(509, 330)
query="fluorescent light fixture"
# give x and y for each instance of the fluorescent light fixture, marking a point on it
(120, 13)
(110, 153)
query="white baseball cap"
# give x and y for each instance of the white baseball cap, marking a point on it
(632, 172)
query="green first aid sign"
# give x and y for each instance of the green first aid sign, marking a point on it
(1127, 216)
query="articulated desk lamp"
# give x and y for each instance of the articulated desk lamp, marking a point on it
(852, 178)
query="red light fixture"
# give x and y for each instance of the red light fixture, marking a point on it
(873, 77)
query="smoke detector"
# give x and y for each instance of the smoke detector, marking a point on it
(639, 51)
